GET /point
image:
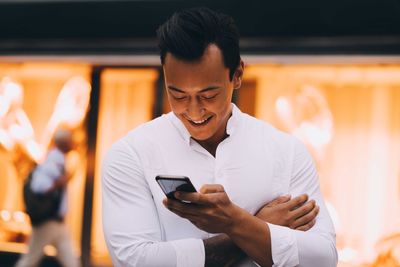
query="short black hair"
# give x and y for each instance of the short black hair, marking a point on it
(187, 33)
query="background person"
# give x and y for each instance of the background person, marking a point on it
(49, 176)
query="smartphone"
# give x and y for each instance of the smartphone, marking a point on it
(172, 183)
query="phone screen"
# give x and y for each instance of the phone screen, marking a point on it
(171, 184)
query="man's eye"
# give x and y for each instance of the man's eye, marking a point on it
(179, 97)
(209, 97)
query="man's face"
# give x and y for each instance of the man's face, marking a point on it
(200, 93)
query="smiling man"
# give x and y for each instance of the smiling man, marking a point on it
(200, 94)
(246, 170)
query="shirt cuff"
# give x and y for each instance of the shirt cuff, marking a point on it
(283, 246)
(189, 252)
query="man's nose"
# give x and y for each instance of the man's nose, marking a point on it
(195, 109)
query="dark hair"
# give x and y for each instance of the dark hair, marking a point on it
(187, 34)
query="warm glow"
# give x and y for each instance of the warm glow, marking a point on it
(35, 98)
(349, 118)
(70, 108)
(347, 255)
(5, 215)
(126, 101)
(19, 216)
(347, 115)
(306, 115)
(50, 250)
(12, 91)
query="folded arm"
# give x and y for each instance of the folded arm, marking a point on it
(266, 243)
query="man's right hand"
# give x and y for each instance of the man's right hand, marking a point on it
(297, 213)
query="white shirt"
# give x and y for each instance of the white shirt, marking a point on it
(47, 173)
(255, 164)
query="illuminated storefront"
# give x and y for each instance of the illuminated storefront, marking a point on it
(347, 114)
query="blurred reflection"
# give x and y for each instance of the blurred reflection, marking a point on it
(20, 148)
(306, 114)
(349, 117)
(15, 126)
(70, 108)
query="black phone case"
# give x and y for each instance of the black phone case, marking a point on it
(186, 187)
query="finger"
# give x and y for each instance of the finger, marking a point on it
(211, 188)
(193, 198)
(279, 200)
(187, 196)
(309, 217)
(186, 208)
(212, 193)
(307, 226)
(302, 210)
(297, 201)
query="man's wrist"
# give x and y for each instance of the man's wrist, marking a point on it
(239, 221)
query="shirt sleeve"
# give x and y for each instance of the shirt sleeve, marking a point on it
(130, 220)
(317, 246)
(48, 172)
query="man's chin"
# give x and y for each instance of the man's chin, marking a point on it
(199, 137)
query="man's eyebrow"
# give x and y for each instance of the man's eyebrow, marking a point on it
(173, 88)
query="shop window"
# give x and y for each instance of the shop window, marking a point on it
(126, 100)
(349, 117)
(35, 99)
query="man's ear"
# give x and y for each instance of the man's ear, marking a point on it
(238, 76)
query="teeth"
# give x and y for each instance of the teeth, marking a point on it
(199, 122)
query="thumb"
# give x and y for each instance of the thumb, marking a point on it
(211, 188)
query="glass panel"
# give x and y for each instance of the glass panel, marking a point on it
(35, 98)
(349, 117)
(126, 100)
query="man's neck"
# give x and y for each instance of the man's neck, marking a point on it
(211, 146)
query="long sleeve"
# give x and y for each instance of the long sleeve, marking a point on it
(315, 247)
(133, 233)
(48, 172)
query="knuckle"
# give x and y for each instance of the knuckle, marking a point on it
(307, 208)
(303, 210)
(307, 217)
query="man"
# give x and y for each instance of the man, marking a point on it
(47, 177)
(239, 163)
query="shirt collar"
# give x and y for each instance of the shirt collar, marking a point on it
(232, 125)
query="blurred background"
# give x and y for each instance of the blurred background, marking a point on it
(325, 71)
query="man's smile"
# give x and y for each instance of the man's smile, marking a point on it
(199, 122)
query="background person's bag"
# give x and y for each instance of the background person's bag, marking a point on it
(40, 207)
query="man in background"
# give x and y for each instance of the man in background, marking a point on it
(49, 176)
